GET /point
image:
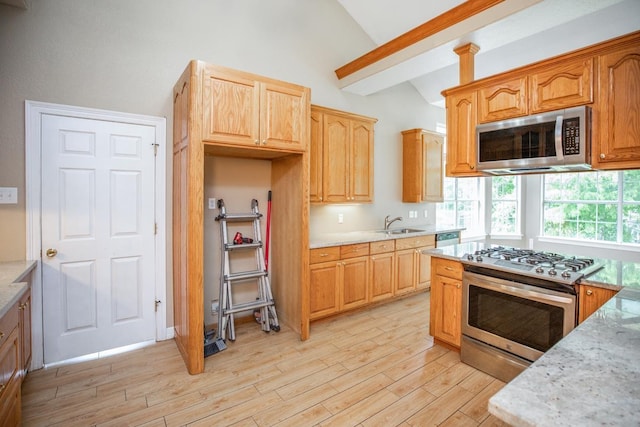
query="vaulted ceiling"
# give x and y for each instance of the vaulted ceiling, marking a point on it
(509, 34)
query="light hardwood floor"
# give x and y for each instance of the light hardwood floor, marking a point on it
(376, 367)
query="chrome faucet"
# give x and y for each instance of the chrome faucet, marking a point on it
(388, 222)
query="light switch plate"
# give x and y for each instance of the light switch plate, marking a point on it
(8, 195)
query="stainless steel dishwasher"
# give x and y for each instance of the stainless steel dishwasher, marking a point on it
(447, 239)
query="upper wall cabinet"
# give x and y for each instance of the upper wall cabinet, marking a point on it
(422, 166)
(461, 133)
(503, 100)
(341, 157)
(605, 76)
(565, 85)
(248, 110)
(618, 131)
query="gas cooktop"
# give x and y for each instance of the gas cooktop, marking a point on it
(543, 265)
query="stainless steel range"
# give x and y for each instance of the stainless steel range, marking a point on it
(517, 303)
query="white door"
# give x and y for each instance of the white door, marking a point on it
(97, 235)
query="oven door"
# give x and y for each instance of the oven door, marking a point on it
(518, 318)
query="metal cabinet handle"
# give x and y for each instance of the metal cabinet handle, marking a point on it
(324, 255)
(52, 252)
(589, 292)
(448, 268)
(458, 286)
(602, 155)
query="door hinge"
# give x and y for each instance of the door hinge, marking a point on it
(155, 228)
(155, 148)
(158, 302)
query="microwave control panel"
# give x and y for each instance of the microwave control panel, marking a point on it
(571, 136)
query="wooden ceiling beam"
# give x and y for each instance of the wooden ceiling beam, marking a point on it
(421, 32)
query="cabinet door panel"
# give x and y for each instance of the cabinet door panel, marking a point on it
(355, 283)
(230, 112)
(382, 275)
(432, 158)
(503, 101)
(617, 141)
(315, 158)
(323, 295)
(335, 175)
(284, 113)
(361, 164)
(566, 85)
(591, 299)
(446, 302)
(461, 148)
(424, 268)
(405, 271)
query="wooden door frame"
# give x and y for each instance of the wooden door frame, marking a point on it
(33, 119)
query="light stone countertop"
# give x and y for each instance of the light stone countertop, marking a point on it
(11, 286)
(589, 378)
(347, 238)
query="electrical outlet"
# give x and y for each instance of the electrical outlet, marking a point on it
(426, 213)
(340, 218)
(8, 195)
(212, 203)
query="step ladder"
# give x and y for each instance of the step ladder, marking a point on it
(263, 307)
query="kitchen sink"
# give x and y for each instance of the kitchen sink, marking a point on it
(403, 231)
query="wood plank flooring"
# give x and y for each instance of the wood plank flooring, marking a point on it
(375, 367)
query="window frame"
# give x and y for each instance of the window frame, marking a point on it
(619, 204)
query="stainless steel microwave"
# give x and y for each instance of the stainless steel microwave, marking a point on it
(556, 141)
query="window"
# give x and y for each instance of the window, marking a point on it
(505, 205)
(603, 206)
(462, 205)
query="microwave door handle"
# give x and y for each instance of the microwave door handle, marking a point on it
(558, 139)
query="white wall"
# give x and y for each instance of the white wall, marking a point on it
(126, 55)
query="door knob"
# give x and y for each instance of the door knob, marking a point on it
(52, 252)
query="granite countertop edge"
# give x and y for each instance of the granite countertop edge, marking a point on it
(12, 286)
(590, 377)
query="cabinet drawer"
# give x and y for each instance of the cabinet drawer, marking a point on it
(324, 254)
(447, 268)
(8, 322)
(415, 242)
(382, 247)
(352, 251)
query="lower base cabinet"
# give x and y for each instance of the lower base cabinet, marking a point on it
(591, 298)
(446, 302)
(350, 276)
(10, 369)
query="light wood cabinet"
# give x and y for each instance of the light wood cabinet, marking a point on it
(503, 100)
(222, 112)
(461, 134)
(410, 268)
(591, 298)
(602, 76)
(315, 157)
(382, 267)
(340, 282)
(10, 367)
(616, 143)
(350, 276)
(248, 110)
(342, 155)
(446, 302)
(422, 166)
(564, 85)
(24, 320)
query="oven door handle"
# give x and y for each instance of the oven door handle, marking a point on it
(558, 139)
(540, 296)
